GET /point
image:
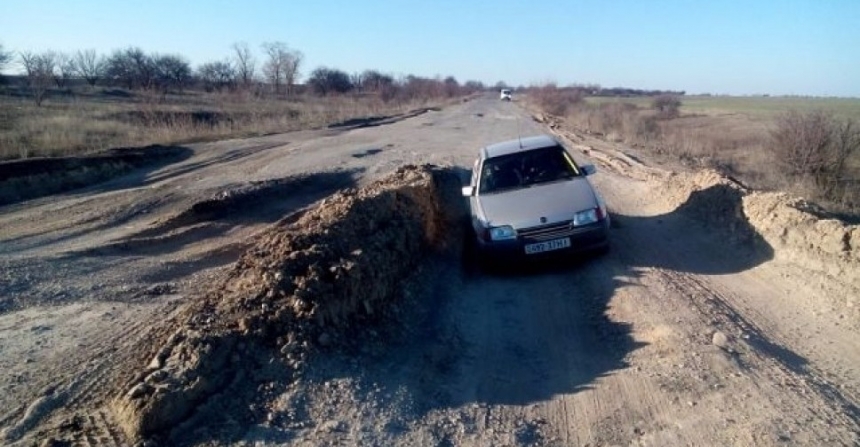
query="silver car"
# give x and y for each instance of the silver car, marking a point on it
(528, 197)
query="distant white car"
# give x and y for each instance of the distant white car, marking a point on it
(505, 95)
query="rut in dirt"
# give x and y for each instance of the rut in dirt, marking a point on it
(36, 177)
(264, 201)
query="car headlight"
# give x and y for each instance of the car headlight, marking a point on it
(503, 233)
(585, 217)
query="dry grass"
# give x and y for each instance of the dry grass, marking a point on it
(93, 120)
(554, 100)
(756, 107)
(732, 135)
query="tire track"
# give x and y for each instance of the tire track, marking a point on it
(82, 381)
(759, 354)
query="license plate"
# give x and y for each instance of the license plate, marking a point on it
(540, 247)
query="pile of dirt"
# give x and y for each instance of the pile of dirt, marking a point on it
(303, 284)
(796, 230)
(709, 197)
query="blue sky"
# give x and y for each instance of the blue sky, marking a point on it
(801, 47)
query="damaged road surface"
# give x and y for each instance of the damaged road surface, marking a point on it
(339, 264)
(284, 291)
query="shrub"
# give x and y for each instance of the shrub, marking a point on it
(812, 149)
(554, 100)
(325, 81)
(643, 128)
(667, 106)
(40, 71)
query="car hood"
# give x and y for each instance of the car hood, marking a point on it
(524, 208)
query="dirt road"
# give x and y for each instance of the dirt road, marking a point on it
(690, 331)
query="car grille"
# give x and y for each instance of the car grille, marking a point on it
(546, 232)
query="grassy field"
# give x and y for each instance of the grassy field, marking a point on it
(730, 134)
(753, 106)
(91, 120)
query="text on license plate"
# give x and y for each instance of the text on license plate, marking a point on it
(540, 247)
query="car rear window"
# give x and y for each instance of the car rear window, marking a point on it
(524, 169)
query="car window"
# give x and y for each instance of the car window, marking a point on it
(525, 169)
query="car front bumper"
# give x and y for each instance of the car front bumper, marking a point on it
(583, 239)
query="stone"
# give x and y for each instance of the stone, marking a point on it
(720, 340)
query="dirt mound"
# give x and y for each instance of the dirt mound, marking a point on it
(795, 229)
(797, 232)
(304, 282)
(709, 197)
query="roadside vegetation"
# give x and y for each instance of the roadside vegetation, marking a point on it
(808, 146)
(84, 102)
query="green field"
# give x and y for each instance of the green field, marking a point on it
(754, 106)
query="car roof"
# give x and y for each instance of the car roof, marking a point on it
(518, 145)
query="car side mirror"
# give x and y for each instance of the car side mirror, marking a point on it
(468, 191)
(588, 169)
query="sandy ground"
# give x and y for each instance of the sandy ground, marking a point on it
(693, 330)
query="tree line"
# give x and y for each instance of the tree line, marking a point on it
(276, 73)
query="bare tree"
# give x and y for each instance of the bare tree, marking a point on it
(39, 69)
(814, 146)
(281, 66)
(217, 75)
(89, 66)
(372, 80)
(244, 64)
(477, 86)
(291, 74)
(845, 144)
(5, 58)
(28, 62)
(325, 81)
(119, 68)
(379, 83)
(65, 69)
(170, 71)
(452, 87)
(131, 67)
(143, 66)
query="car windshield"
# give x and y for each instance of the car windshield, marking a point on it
(524, 169)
